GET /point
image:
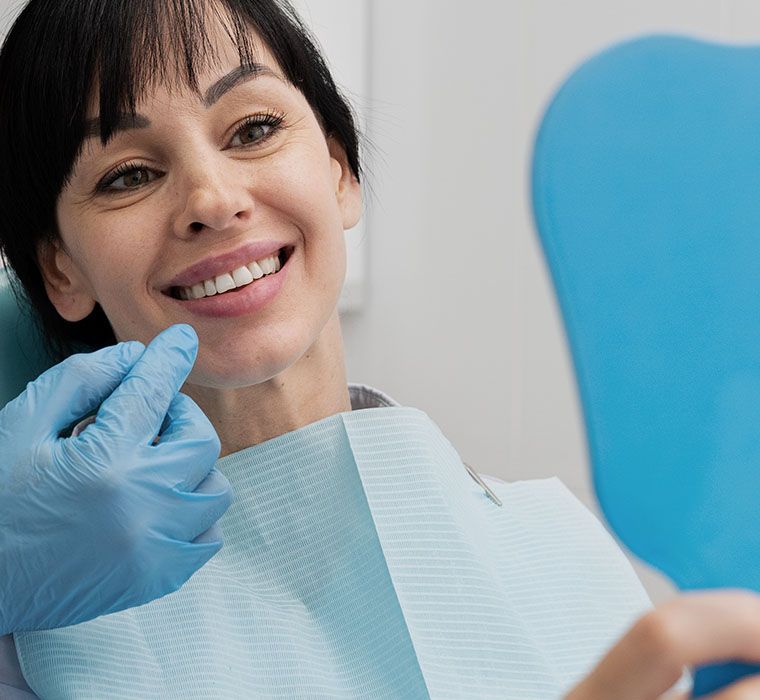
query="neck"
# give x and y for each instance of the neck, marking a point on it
(313, 388)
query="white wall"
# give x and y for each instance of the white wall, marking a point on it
(461, 319)
(342, 29)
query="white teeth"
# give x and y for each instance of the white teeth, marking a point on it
(242, 276)
(224, 283)
(256, 271)
(239, 277)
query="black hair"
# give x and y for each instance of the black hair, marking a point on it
(55, 55)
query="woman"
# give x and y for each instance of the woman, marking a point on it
(194, 164)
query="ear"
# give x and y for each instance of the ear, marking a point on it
(348, 191)
(65, 285)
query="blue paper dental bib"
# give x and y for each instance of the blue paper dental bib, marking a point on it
(362, 561)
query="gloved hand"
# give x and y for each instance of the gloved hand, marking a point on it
(107, 520)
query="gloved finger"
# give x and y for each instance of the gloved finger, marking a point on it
(183, 559)
(69, 390)
(137, 407)
(185, 420)
(192, 441)
(191, 514)
(185, 464)
(211, 536)
(215, 482)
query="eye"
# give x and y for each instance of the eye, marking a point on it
(128, 176)
(257, 129)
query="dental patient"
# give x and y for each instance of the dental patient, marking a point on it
(193, 163)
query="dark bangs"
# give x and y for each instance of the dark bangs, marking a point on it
(59, 50)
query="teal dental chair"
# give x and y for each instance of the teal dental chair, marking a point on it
(22, 356)
(646, 195)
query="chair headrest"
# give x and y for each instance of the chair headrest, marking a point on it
(22, 355)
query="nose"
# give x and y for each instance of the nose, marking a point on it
(214, 195)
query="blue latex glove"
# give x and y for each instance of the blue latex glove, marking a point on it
(104, 521)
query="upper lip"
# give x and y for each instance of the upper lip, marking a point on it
(214, 265)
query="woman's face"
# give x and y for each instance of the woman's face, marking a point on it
(198, 187)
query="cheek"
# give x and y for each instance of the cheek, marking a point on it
(313, 210)
(305, 183)
(116, 263)
(119, 270)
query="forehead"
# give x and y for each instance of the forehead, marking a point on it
(214, 78)
(226, 54)
(192, 58)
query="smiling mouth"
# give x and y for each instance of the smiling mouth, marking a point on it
(239, 279)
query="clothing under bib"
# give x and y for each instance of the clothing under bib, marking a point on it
(360, 560)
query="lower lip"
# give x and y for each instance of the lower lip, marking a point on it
(247, 300)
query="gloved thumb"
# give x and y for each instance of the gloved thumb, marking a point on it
(137, 408)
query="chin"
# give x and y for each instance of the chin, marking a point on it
(230, 368)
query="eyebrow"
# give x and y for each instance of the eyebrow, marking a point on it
(235, 77)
